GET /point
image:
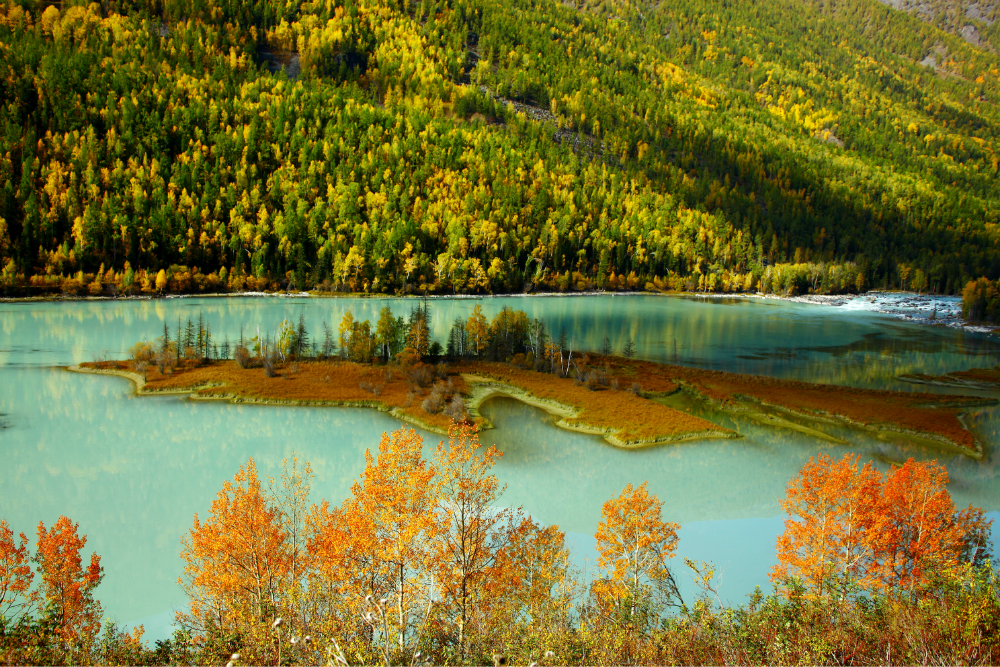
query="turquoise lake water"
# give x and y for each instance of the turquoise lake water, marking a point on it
(133, 471)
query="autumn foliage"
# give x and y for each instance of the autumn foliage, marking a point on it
(235, 560)
(67, 587)
(48, 614)
(423, 563)
(634, 544)
(852, 529)
(15, 573)
(418, 555)
(893, 411)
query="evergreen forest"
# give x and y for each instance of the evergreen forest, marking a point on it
(466, 146)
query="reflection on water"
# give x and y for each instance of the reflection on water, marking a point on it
(133, 471)
(794, 340)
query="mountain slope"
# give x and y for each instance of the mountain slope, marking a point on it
(493, 146)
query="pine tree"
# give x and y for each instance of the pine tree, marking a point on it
(301, 336)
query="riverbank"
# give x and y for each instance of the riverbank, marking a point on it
(929, 309)
(623, 400)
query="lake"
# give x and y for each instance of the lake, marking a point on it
(133, 471)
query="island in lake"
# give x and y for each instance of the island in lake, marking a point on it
(621, 398)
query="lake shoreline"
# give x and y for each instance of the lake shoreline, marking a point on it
(484, 388)
(191, 393)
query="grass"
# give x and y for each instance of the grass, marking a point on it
(625, 419)
(628, 419)
(936, 417)
(314, 383)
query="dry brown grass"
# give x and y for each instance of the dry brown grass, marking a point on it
(881, 409)
(336, 382)
(629, 418)
(632, 419)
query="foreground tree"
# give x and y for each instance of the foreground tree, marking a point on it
(634, 545)
(15, 576)
(474, 564)
(830, 545)
(234, 563)
(378, 551)
(922, 538)
(851, 529)
(67, 587)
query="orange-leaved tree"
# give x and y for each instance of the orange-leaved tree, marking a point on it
(634, 544)
(849, 528)
(921, 536)
(829, 545)
(16, 599)
(235, 561)
(66, 586)
(381, 544)
(471, 568)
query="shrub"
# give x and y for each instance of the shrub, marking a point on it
(435, 401)
(371, 388)
(270, 366)
(242, 357)
(420, 375)
(456, 409)
(432, 404)
(592, 381)
(142, 352)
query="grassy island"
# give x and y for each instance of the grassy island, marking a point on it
(937, 418)
(623, 416)
(415, 394)
(622, 405)
(315, 383)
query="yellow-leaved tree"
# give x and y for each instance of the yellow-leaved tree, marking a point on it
(378, 551)
(473, 547)
(634, 545)
(234, 564)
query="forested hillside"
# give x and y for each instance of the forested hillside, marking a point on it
(482, 145)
